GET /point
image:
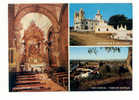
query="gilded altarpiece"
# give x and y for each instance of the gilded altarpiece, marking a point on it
(34, 47)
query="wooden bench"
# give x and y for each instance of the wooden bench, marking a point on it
(60, 77)
(56, 75)
(65, 82)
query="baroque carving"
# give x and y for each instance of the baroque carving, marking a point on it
(33, 38)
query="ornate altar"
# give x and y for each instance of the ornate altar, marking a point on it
(34, 48)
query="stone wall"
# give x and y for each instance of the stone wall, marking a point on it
(63, 38)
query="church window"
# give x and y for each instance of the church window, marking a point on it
(86, 27)
(98, 29)
(12, 56)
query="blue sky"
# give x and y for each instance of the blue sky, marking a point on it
(106, 9)
(77, 53)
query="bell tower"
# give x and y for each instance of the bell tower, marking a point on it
(98, 16)
(81, 14)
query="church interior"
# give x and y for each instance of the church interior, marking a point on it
(38, 47)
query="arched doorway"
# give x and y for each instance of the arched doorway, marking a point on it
(32, 9)
(32, 41)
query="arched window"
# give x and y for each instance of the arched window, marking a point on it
(98, 29)
(86, 27)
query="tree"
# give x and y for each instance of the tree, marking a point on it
(129, 60)
(129, 24)
(120, 19)
(115, 49)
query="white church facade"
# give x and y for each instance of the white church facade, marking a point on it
(98, 25)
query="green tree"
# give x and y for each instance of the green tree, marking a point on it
(129, 24)
(120, 19)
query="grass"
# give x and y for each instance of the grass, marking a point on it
(90, 38)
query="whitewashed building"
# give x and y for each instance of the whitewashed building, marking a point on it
(98, 25)
(122, 33)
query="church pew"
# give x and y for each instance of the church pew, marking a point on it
(59, 77)
(55, 74)
(65, 82)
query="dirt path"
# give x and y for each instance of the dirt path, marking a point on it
(92, 39)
